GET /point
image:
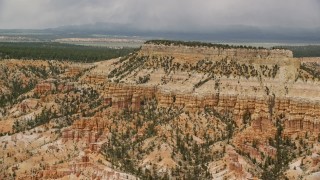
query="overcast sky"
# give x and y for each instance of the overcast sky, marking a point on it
(163, 15)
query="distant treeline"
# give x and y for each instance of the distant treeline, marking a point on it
(199, 44)
(59, 51)
(303, 51)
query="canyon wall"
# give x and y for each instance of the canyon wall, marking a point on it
(300, 116)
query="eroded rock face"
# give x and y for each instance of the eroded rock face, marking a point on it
(166, 108)
(131, 97)
(300, 116)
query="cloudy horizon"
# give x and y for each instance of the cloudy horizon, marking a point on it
(182, 16)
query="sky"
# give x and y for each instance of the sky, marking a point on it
(188, 16)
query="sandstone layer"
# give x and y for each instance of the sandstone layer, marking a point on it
(165, 111)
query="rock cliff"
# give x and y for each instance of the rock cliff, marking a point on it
(165, 111)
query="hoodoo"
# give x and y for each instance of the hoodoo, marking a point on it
(172, 110)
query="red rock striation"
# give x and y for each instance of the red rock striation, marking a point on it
(299, 115)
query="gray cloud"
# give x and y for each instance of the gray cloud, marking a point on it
(163, 15)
